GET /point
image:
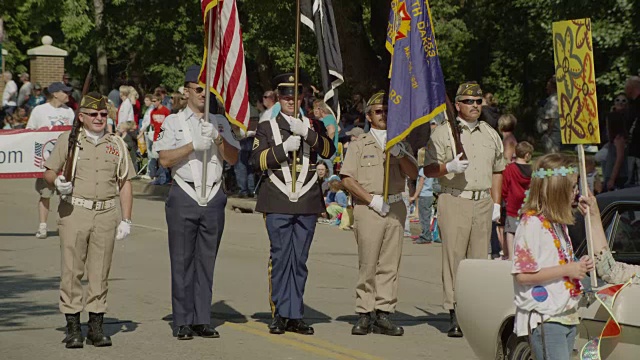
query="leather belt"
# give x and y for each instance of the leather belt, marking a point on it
(91, 204)
(467, 194)
(392, 199)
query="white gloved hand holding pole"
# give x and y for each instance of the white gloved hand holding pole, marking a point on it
(298, 128)
(64, 187)
(457, 166)
(202, 140)
(124, 229)
(207, 130)
(378, 205)
(496, 212)
(291, 144)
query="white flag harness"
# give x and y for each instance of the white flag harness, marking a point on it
(196, 169)
(285, 186)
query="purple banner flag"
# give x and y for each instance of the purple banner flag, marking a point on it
(417, 91)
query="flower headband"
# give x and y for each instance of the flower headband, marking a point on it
(561, 171)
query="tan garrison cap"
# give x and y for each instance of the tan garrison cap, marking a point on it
(94, 101)
(379, 98)
(469, 88)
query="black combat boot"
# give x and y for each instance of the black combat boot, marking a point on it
(454, 328)
(299, 326)
(74, 338)
(363, 326)
(383, 325)
(96, 336)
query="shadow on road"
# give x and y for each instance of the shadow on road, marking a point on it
(15, 305)
(220, 314)
(439, 321)
(30, 234)
(311, 316)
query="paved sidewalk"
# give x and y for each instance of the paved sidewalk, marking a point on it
(139, 317)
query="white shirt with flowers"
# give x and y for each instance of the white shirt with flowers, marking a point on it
(535, 249)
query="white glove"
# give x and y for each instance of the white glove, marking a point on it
(457, 166)
(291, 144)
(201, 143)
(298, 128)
(397, 149)
(124, 229)
(64, 187)
(251, 133)
(378, 205)
(209, 130)
(496, 212)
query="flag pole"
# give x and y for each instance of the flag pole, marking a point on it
(584, 186)
(294, 172)
(207, 97)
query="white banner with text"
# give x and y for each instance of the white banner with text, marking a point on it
(23, 152)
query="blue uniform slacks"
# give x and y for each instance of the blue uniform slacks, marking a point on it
(291, 237)
(194, 238)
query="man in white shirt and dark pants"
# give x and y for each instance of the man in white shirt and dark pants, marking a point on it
(47, 115)
(9, 95)
(194, 224)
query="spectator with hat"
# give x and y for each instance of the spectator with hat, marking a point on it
(36, 98)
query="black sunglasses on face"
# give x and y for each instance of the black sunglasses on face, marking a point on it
(471, 101)
(380, 111)
(197, 90)
(104, 114)
(620, 101)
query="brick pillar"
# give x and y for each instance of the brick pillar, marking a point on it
(46, 62)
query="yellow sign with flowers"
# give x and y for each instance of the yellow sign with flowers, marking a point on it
(575, 77)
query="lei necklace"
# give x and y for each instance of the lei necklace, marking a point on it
(573, 285)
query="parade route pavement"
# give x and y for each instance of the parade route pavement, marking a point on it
(139, 316)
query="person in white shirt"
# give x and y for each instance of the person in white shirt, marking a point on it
(53, 113)
(125, 112)
(268, 100)
(194, 223)
(9, 95)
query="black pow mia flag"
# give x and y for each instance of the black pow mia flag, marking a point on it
(318, 16)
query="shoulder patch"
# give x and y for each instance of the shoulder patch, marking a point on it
(161, 134)
(256, 143)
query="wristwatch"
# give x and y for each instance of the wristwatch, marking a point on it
(218, 140)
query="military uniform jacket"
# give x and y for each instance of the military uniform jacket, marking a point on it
(267, 155)
(95, 177)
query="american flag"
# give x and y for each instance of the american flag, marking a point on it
(228, 80)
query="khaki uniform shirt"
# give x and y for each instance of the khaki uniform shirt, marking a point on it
(483, 147)
(365, 162)
(95, 177)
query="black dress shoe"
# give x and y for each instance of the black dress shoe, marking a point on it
(74, 339)
(277, 325)
(299, 326)
(383, 325)
(363, 326)
(185, 332)
(454, 329)
(205, 331)
(95, 335)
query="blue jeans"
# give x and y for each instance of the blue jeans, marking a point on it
(244, 173)
(424, 211)
(558, 341)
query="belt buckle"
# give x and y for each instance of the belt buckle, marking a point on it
(475, 195)
(98, 205)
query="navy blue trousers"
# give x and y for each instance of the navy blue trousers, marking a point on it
(291, 237)
(194, 238)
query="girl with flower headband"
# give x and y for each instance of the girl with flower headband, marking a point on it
(546, 274)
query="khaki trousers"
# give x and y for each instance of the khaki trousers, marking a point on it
(465, 229)
(379, 242)
(86, 238)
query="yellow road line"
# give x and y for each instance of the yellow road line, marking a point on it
(280, 339)
(317, 342)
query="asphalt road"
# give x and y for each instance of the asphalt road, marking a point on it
(139, 317)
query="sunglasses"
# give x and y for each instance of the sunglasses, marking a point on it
(380, 111)
(154, 100)
(104, 114)
(197, 90)
(471, 101)
(620, 101)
